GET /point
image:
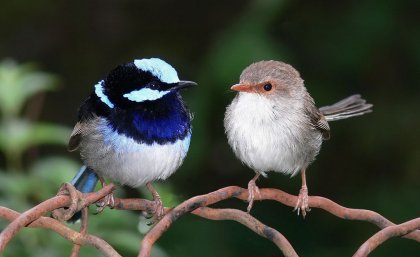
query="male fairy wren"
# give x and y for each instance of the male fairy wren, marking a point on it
(273, 124)
(133, 128)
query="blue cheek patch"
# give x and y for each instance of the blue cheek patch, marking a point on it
(159, 68)
(99, 91)
(169, 125)
(145, 94)
(186, 142)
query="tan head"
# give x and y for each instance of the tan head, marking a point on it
(271, 79)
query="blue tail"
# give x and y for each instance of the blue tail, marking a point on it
(84, 181)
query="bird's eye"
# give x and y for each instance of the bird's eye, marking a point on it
(268, 87)
(153, 85)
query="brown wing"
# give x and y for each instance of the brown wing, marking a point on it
(316, 118)
(87, 120)
(75, 137)
(322, 125)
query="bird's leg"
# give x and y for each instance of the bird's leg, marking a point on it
(302, 202)
(253, 191)
(159, 209)
(106, 201)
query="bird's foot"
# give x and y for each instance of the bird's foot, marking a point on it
(253, 191)
(157, 213)
(159, 209)
(104, 202)
(302, 202)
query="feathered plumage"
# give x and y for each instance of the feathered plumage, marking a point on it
(134, 127)
(273, 124)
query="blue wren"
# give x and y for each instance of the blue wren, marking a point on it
(134, 128)
(273, 124)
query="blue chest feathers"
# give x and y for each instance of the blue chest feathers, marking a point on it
(163, 121)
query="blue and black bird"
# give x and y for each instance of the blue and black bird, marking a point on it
(134, 128)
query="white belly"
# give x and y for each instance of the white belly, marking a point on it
(126, 162)
(270, 138)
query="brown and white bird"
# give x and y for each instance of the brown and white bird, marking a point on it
(273, 124)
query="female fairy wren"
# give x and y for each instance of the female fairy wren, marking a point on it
(133, 128)
(273, 124)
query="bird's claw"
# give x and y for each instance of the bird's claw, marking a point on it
(302, 202)
(147, 215)
(150, 217)
(253, 191)
(106, 201)
(158, 212)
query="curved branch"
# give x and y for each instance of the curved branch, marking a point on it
(333, 208)
(265, 194)
(250, 222)
(194, 205)
(51, 204)
(185, 207)
(83, 230)
(385, 234)
(64, 231)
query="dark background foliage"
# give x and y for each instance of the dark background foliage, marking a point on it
(340, 48)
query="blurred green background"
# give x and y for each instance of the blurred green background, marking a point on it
(53, 52)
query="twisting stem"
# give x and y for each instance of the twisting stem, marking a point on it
(385, 234)
(83, 230)
(196, 205)
(251, 223)
(266, 194)
(61, 229)
(51, 204)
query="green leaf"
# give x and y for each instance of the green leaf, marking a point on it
(17, 136)
(18, 83)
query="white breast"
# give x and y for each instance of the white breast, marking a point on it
(126, 162)
(270, 135)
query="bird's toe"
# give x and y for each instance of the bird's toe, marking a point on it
(253, 191)
(302, 204)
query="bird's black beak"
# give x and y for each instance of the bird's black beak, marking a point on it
(183, 84)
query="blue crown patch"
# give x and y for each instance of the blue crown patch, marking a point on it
(159, 68)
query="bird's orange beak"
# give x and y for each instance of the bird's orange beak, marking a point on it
(242, 88)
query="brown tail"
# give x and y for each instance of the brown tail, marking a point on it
(351, 106)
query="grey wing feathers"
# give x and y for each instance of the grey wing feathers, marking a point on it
(351, 106)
